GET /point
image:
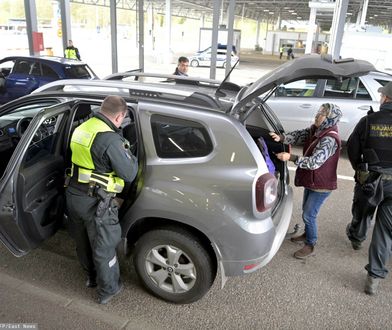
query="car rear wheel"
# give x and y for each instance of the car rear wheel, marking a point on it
(173, 265)
(194, 63)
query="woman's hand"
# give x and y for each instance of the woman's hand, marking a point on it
(283, 156)
(275, 136)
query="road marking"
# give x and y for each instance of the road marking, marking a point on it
(343, 177)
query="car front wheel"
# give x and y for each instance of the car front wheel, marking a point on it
(194, 63)
(173, 265)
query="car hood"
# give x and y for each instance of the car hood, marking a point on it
(308, 66)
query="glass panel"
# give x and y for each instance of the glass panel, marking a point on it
(345, 88)
(48, 72)
(76, 72)
(178, 138)
(362, 92)
(304, 88)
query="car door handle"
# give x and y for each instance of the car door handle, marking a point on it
(305, 106)
(364, 107)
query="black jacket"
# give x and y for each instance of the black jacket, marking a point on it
(357, 143)
(110, 153)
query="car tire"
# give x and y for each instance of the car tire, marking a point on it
(174, 265)
(194, 63)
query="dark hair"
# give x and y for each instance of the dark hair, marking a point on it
(113, 104)
(183, 59)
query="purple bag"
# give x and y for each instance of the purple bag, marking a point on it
(264, 151)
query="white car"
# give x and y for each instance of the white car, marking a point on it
(297, 102)
(204, 58)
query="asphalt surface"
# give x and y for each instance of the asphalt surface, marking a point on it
(325, 291)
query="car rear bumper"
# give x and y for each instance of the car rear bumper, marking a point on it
(265, 244)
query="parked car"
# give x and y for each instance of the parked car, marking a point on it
(297, 102)
(203, 198)
(20, 75)
(204, 58)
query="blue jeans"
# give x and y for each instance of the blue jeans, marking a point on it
(310, 208)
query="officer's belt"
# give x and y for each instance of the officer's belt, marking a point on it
(83, 187)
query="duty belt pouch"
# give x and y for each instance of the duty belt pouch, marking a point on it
(373, 189)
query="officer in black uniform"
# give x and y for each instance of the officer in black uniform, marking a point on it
(370, 153)
(101, 163)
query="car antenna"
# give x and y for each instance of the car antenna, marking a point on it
(218, 92)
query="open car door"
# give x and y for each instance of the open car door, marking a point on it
(31, 186)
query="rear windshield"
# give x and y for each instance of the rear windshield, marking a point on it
(77, 72)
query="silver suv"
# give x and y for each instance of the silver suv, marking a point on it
(203, 199)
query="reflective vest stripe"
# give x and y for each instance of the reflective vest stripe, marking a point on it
(81, 143)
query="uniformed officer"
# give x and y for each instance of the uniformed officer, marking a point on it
(72, 52)
(101, 162)
(370, 153)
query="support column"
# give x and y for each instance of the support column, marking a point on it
(337, 28)
(141, 34)
(168, 32)
(151, 24)
(258, 33)
(364, 12)
(31, 24)
(214, 39)
(113, 35)
(311, 30)
(230, 35)
(65, 11)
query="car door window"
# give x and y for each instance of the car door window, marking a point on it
(6, 68)
(303, 88)
(22, 67)
(349, 88)
(48, 72)
(12, 126)
(179, 138)
(362, 92)
(35, 69)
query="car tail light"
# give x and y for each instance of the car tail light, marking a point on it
(266, 192)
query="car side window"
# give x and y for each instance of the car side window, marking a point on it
(362, 92)
(44, 141)
(304, 88)
(347, 88)
(76, 72)
(179, 138)
(35, 69)
(22, 67)
(48, 72)
(6, 68)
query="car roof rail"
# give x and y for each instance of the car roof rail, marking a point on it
(169, 77)
(134, 90)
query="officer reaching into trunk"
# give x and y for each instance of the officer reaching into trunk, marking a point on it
(101, 163)
(369, 150)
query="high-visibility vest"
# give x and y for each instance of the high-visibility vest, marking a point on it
(70, 53)
(81, 142)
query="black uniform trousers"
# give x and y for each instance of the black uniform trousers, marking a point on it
(381, 244)
(96, 238)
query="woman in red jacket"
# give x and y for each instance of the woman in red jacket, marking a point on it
(316, 169)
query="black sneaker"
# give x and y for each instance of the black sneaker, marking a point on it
(106, 298)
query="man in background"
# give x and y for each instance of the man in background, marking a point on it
(72, 52)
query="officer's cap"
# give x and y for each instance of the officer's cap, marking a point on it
(386, 90)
